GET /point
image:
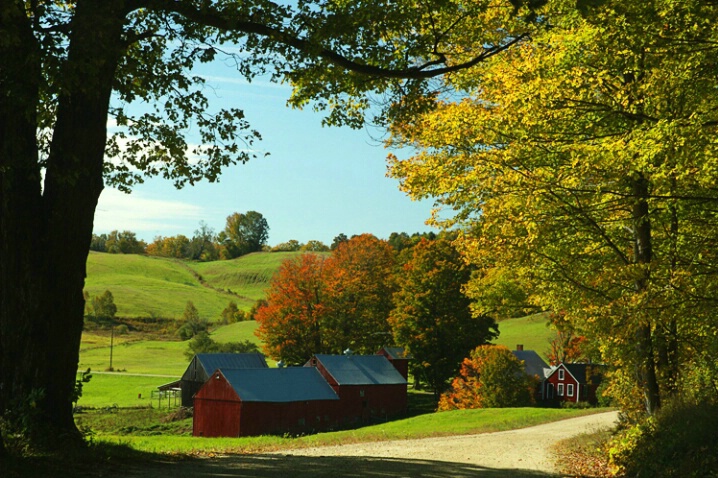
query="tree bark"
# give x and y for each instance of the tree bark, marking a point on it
(45, 234)
(643, 255)
(20, 206)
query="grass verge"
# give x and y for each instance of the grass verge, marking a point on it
(458, 422)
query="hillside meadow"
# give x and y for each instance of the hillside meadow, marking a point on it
(155, 287)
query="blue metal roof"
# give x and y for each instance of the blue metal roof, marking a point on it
(533, 363)
(211, 362)
(361, 369)
(279, 385)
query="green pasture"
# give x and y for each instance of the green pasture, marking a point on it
(237, 332)
(157, 357)
(145, 286)
(136, 354)
(247, 276)
(122, 390)
(532, 331)
(458, 422)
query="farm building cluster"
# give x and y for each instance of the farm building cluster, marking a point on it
(239, 395)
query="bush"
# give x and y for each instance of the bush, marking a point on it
(202, 343)
(679, 441)
(193, 324)
(492, 377)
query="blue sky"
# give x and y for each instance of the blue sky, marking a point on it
(316, 183)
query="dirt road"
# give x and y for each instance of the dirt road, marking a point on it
(518, 453)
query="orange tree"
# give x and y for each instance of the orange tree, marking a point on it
(491, 377)
(360, 286)
(432, 317)
(290, 321)
(326, 305)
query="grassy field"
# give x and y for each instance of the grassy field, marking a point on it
(145, 286)
(531, 331)
(157, 357)
(247, 276)
(139, 353)
(122, 390)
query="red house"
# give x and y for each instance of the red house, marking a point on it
(250, 402)
(573, 382)
(368, 386)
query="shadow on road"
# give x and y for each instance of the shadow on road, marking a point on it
(281, 466)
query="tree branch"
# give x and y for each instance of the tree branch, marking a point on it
(212, 17)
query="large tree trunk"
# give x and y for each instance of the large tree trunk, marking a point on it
(45, 234)
(20, 208)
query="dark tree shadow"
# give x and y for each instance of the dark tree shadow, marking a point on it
(133, 464)
(281, 466)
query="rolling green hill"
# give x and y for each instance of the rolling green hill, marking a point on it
(532, 331)
(145, 286)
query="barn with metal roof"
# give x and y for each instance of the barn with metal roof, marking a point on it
(203, 365)
(264, 401)
(369, 387)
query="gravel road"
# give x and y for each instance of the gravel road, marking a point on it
(523, 453)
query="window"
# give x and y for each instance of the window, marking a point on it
(569, 390)
(561, 374)
(560, 390)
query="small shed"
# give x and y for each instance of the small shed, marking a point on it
(368, 386)
(573, 382)
(398, 358)
(265, 401)
(202, 365)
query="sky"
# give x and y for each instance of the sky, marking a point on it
(316, 182)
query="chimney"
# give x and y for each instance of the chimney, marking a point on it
(520, 347)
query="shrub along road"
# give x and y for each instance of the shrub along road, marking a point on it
(516, 453)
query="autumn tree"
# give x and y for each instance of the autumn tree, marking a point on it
(245, 233)
(172, 246)
(432, 317)
(491, 377)
(584, 162)
(359, 282)
(327, 304)
(69, 67)
(290, 323)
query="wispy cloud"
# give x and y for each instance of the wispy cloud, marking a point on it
(144, 216)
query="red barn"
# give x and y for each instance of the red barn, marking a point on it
(202, 365)
(368, 386)
(251, 402)
(573, 382)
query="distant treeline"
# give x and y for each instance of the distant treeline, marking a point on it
(243, 234)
